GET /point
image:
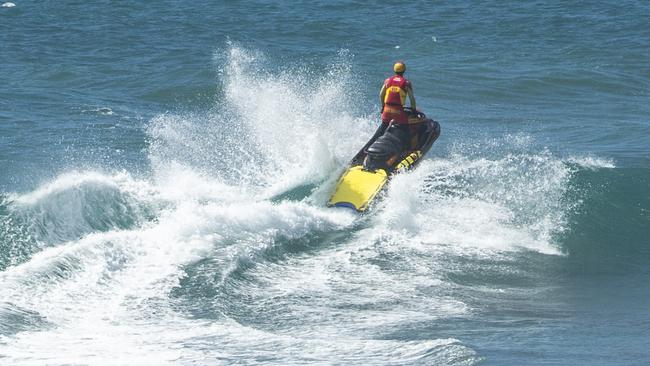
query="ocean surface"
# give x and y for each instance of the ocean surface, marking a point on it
(164, 168)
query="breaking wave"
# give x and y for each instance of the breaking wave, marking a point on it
(227, 251)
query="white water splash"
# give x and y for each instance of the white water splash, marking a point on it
(210, 196)
(591, 162)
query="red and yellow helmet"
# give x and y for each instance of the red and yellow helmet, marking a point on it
(399, 67)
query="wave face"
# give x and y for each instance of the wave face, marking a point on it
(228, 251)
(227, 244)
(189, 227)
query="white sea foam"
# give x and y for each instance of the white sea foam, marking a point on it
(301, 126)
(75, 181)
(273, 132)
(591, 162)
(104, 288)
(502, 204)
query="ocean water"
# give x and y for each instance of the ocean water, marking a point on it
(164, 169)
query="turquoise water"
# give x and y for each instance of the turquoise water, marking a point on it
(164, 169)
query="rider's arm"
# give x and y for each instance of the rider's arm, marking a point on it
(382, 95)
(409, 91)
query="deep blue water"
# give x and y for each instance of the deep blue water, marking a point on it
(164, 169)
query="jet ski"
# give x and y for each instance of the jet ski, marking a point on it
(394, 148)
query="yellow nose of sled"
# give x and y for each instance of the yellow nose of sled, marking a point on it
(357, 187)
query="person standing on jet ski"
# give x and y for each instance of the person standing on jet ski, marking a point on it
(393, 96)
(393, 100)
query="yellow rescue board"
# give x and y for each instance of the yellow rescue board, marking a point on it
(357, 187)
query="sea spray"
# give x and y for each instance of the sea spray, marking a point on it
(273, 130)
(219, 263)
